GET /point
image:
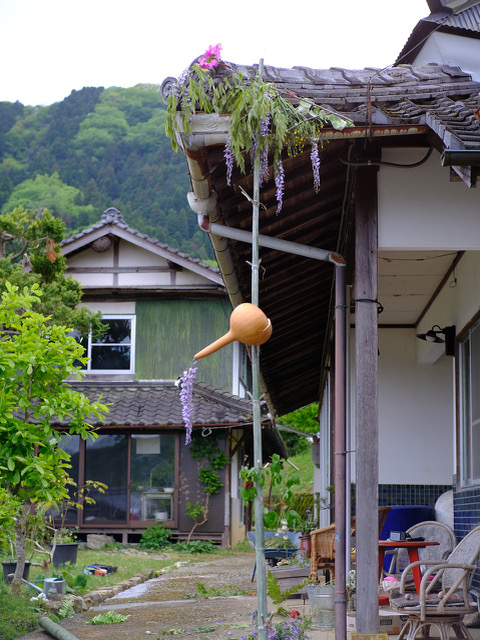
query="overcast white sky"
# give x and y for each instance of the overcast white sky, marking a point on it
(49, 47)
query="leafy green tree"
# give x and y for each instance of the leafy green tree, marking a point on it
(109, 145)
(304, 419)
(29, 254)
(36, 360)
(51, 193)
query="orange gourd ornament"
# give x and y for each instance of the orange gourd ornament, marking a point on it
(248, 324)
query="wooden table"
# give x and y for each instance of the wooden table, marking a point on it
(412, 547)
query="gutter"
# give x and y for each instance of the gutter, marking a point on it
(460, 158)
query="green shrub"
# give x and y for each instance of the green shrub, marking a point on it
(196, 546)
(155, 537)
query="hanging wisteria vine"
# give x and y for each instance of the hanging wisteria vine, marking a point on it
(186, 398)
(263, 124)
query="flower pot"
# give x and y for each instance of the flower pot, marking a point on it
(306, 544)
(65, 552)
(9, 568)
(322, 604)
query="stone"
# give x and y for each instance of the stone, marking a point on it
(98, 540)
(472, 620)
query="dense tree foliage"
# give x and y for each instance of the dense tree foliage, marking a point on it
(36, 358)
(29, 256)
(96, 149)
(304, 419)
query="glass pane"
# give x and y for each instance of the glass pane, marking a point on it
(106, 461)
(110, 358)
(152, 477)
(475, 373)
(71, 445)
(119, 332)
(465, 408)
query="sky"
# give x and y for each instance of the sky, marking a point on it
(50, 47)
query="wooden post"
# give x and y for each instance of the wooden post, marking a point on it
(366, 403)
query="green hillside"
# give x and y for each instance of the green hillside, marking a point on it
(96, 149)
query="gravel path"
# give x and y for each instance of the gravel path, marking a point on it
(162, 609)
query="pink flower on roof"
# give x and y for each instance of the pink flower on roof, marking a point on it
(210, 58)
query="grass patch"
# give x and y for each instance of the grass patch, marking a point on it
(18, 615)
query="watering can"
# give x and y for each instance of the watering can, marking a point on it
(51, 586)
(248, 324)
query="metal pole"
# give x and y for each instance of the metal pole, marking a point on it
(340, 453)
(257, 431)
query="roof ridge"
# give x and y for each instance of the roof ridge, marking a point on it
(113, 216)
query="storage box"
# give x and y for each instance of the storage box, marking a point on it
(390, 622)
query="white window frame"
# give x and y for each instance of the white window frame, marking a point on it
(469, 392)
(111, 316)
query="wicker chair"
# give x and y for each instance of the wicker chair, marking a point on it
(323, 544)
(429, 530)
(443, 609)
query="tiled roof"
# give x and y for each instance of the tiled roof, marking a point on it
(140, 404)
(400, 95)
(113, 217)
(156, 404)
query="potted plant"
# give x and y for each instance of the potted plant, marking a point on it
(307, 524)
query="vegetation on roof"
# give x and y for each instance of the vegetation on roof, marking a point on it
(263, 123)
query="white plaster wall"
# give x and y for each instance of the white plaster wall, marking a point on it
(445, 48)
(90, 258)
(422, 209)
(416, 413)
(456, 304)
(130, 255)
(112, 308)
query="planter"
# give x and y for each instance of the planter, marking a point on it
(9, 567)
(65, 552)
(289, 576)
(322, 605)
(306, 544)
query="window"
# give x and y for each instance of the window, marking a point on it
(469, 372)
(114, 352)
(139, 471)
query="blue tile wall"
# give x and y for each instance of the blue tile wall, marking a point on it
(410, 494)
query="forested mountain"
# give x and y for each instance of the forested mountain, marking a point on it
(96, 149)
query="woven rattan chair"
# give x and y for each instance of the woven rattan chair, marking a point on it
(444, 596)
(429, 530)
(323, 544)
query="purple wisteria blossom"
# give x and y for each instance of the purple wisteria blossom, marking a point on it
(186, 398)
(279, 183)
(229, 159)
(315, 159)
(264, 131)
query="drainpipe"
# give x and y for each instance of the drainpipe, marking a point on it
(200, 207)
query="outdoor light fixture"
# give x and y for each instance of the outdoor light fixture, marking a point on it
(433, 336)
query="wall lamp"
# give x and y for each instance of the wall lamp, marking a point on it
(433, 336)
